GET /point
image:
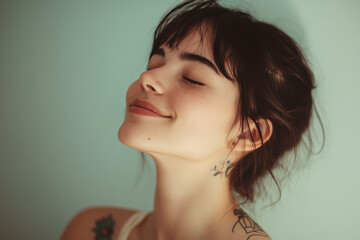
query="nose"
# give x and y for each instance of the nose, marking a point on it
(150, 83)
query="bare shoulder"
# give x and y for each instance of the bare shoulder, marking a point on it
(246, 228)
(102, 220)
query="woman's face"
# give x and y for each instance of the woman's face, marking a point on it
(200, 115)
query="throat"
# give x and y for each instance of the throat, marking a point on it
(190, 203)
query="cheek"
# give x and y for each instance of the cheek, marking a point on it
(203, 115)
(212, 107)
(190, 105)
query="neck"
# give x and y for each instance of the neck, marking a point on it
(190, 202)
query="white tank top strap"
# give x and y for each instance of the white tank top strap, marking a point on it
(129, 225)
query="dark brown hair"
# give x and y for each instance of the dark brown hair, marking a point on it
(269, 70)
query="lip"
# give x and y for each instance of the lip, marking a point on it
(148, 106)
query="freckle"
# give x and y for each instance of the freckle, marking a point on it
(149, 139)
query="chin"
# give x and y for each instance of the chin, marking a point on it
(132, 137)
(125, 136)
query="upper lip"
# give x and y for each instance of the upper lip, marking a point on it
(145, 104)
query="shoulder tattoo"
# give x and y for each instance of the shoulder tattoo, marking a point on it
(251, 228)
(104, 228)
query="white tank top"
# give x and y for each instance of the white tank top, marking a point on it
(132, 222)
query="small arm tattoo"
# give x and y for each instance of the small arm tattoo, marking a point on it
(223, 168)
(104, 228)
(250, 226)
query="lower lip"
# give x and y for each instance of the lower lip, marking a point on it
(143, 111)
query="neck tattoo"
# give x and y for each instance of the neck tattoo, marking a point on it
(223, 168)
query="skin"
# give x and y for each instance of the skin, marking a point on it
(191, 149)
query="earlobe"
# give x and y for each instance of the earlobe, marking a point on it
(250, 139)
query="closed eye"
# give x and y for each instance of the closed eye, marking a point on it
(187, 79)
(193, 82)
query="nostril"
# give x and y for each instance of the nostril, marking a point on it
(149, 86)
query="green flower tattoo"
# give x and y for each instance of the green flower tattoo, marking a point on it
(104, 228)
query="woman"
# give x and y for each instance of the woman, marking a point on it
(224, 97)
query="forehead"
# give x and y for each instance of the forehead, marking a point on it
(198, 41)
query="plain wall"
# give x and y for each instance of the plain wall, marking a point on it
(65, 67)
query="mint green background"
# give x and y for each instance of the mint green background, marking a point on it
(64, 70)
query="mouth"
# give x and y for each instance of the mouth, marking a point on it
(145, 111)
(146, 108)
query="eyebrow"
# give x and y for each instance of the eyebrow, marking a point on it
(185, 56)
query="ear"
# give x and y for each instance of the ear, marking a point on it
(250, 139)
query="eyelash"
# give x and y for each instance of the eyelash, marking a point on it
(188, 80)
(193, 82)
